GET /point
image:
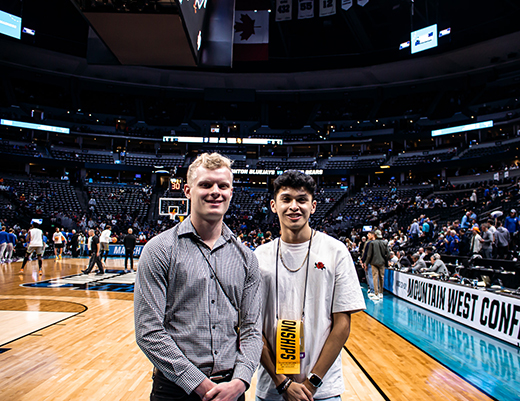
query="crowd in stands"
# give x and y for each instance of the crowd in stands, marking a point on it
(416, 223)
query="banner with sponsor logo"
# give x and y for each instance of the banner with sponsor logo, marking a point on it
(494, 314)
(119, 250)
(283, 10)
(305, 9)
(327, 7)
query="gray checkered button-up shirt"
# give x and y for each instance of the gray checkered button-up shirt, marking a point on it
(184, 323)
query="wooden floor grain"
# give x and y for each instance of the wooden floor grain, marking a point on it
(401, 370)
(93, 355)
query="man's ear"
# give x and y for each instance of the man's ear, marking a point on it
(273, 205)
(187, 191)
(314, 203)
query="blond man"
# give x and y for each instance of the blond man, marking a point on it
(197, 297)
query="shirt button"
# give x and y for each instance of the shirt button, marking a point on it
(212, 301)
(216, 352)
(212, 277)
(214, 327)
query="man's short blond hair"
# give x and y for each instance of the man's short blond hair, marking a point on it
(211, 161)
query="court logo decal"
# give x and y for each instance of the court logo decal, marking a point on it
(112, 280)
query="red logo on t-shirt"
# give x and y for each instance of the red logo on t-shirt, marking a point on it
(319, 266)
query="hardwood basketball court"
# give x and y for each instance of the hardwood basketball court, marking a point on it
(71, 344)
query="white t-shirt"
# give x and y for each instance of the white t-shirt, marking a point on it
(36, 237)
(105, 236)
(334, 288)
(57, 237)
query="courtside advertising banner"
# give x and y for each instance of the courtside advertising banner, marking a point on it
(305, 9)
(494, 314)
(119, 250)
(283, 10)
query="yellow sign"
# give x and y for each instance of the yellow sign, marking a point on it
(288, 347)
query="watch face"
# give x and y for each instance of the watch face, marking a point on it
(315, 380)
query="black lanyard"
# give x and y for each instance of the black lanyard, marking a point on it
(306, 275)
(218, 281)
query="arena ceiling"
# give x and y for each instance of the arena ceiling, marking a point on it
(357, 37)
(351, 50)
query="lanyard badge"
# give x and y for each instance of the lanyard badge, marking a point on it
(288, 336)
(290, 344)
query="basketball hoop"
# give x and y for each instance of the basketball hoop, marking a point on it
(176, 208)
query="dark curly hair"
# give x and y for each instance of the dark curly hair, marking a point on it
(294, 179)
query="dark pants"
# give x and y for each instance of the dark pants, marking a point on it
(94, 260)
(74, 249)
(165, 390)
(502, 252)
(487, 252)
(129, 253)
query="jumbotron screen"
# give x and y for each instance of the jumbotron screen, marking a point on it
(424, 39)
(10, 24)
(193, 14)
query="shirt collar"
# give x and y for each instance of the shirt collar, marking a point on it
(186, 229)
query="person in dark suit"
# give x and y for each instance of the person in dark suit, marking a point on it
(94, 255)
(74, 239)
(129, 242)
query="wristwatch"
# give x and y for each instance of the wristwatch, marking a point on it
(315, 380)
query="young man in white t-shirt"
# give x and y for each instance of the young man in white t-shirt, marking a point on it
(308, 276)
(104, 241)
(35, 244)
(59, 243)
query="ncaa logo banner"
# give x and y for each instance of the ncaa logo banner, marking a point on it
(491, 313)
(283, 10)
(305, 9)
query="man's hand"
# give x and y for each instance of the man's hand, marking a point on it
(204, 387)
(298, 392)
(310, 387)
(228, 391)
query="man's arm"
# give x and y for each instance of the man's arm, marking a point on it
(332, 347)
(368, 259)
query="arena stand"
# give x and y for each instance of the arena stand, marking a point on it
(354, 162)
(166, 161)
(83, 155)
(117, 200)
(294, 163)
(414, 158)
(40, 197)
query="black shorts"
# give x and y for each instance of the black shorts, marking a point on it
(59, 246)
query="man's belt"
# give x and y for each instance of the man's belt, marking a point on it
(218, 377)
(223, 376)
